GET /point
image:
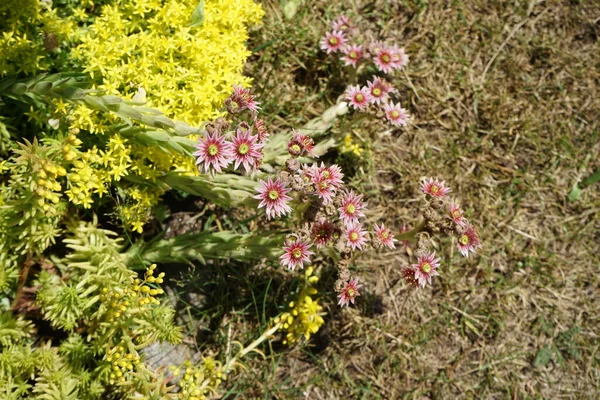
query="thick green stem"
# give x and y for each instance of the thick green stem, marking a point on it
(412, 234)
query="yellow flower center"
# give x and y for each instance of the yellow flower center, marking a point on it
(273, 194)
(350, 209)
(386, 58)
(464, 240)
(385, 235)
(435, 189)
(456, 214)
(333, 41)
(426, 268)
(354, 236)
(296, 148)
(213, 149)
(360, 97)
(297, 253)
(243, 149)
(353, 55)
(350, 292)
(395, 114)
(326, 174)
(376, 91)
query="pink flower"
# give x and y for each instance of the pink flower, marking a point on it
(399, 57)
(385, 236)
(296, 254)
(322, 232)
(355, 235)
(379, 90)
(323, 186)
(240, 100)
(376, 47)
(342, 23)
(456, 214)
(397, 115)
(426, 268)
(349, 292)
(214, 151)
(273, 194)
(434, 188)
(333, 174)
(408, 274)
(261, 129)
(350, 210)
(246, 150)
(469, 240)
(358, 97)
(300, 145)
(352, 55)
(384, 59)
(333, 41)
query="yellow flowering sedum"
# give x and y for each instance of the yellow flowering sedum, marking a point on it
(186, 72)
(303, 318)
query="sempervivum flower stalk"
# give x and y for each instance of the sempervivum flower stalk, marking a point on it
(349, 292)
(351, 209)
(352, 55)
(246, 150)
(426, 268)
(435, 188)
(395, 114)
(322, 232)
(355, 236)
(358, 97)
(379, 90)
(273, 196)
(333, 41)
(214, 151)
(468, 241)
(296, 254)
(384, 236)
(456, 214)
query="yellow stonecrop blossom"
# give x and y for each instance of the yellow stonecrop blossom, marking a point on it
(197, 381)
(187, 72)
(29, 33)
(304, 316)
(146, 50)
(350, 147)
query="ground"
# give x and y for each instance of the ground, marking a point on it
(504, 98)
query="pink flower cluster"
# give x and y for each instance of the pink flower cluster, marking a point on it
(216, 150)
(386, 58)
(454, 222)
(339, 40)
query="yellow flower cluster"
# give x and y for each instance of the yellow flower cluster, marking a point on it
(28, 35)
(350, 147)
(187, 72)
(198, 380)
(47, 187)
(118, 301)
(304, 316)
(122, 364)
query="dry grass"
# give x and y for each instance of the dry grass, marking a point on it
(505, 98)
